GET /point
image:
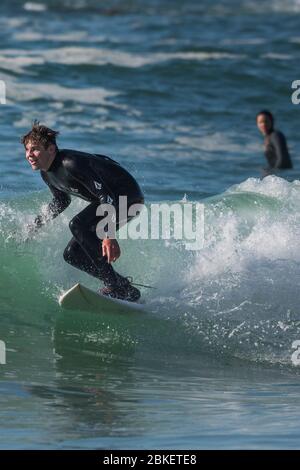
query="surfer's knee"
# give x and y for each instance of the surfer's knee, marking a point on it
(75, 225)
(68, 254)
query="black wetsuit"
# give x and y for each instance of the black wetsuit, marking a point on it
(276, 151)
(97, 179)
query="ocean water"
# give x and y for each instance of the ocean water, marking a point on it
(171, 90)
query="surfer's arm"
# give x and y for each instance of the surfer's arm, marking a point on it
(59, 203)
(281, 151)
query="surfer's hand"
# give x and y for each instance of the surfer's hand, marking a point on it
(111, 249)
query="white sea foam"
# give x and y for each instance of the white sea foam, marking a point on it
(272, 186)
(244, 41)
(80, 55)
(216, 142)
(63, 37)
(19, 59)
(19, 63)
(12, 23)
(33, 6)
(55, 92)
(286, 6)
(243, 286)
(77, 37)
(277, 56)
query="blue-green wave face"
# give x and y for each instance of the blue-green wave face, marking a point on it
(237, 295)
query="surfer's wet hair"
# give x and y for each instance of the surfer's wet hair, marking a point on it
(267, 113)
(40, 134)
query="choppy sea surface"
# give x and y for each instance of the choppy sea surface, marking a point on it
(170, 90)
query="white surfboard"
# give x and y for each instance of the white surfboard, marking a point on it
(80, 297)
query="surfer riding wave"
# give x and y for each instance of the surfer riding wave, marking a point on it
(97, 179)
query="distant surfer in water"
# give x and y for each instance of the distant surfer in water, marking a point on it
(96, 179)
(276, 150)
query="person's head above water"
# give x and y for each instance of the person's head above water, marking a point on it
(265, 121)
(40, 146)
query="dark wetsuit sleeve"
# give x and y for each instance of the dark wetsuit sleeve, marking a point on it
(281, 152)
(59, 203)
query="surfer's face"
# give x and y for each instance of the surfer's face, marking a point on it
(39, 157)
(264, 123)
